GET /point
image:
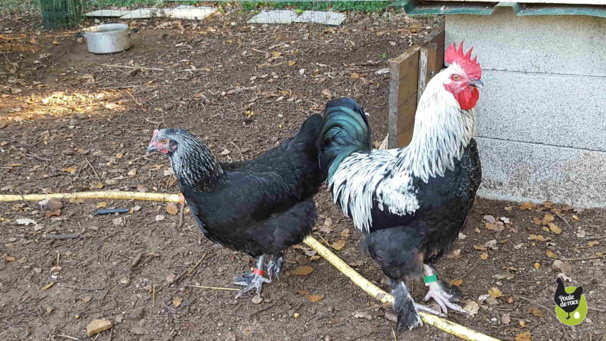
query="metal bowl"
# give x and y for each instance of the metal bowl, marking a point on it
(107, 38)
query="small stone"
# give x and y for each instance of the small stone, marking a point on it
(124, 281)
(257, 299)
(296, 315)
(119, 318)
(137, 314)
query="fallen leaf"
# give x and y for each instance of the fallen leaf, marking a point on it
(593, 243)
(489, 218)
(25, 221)
(484, 256)
(8, 258)
(495, 292)
(172, 208)
(538, 237)
(527, 206)
(102, 204)
(55, 42)
(455, 254)
(536, 312)
(494, 226)
(119, 155)
(54, 213)
(471, 307)
(69, 169)
(132, 172)
(554, 228)
(456, 282)
(480, 247)
(338, 245)
(302, 292)
(506, 318)
(526, 336)
(550, 254)
(522, 323)
(574, 217)
(504, 275)
(291, 63)
(362, 314)
(548, 219)
(98, 326)
(354, 75)
(302, 271)
(177, 301)
(97, 185)
(537, 265)
(276, 54)
(48, 286)
(315, 298)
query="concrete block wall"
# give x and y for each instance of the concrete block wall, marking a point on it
(541, 125)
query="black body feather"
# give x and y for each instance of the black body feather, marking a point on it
(261, 206)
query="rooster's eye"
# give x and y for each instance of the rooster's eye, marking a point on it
(456, 77)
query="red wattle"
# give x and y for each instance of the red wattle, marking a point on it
(468, 98)
(258, 272)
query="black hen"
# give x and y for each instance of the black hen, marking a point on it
(568, 302)
(261, 206)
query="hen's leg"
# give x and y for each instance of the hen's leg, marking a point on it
(440, 293)
(405, 307)
(252, 280)
(275, 265)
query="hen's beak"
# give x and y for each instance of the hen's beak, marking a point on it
(476, 83)
(153, 144)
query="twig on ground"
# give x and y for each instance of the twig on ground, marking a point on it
(133, 67)
(238, 148)
(212, 288)
(134, 99)
(81, 289)
(583, 258)
(136, 260)
(64, 236)
(68, 337)
(93, 168)
(563, 219)
(471, 269)
(181, 213)
(119, 87)
(37, 157)
(185, 274)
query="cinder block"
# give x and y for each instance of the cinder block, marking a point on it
(320, 17)
(274, 17)
(561, 110)
(554, 44)
(529, 172)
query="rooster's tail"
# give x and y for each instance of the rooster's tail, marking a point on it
(345, 130)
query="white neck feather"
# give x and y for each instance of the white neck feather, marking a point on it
(442, 130)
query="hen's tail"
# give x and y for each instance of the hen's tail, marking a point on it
(345, 130)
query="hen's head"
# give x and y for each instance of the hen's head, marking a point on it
(167, 141)
(463, 77)
(191, 159)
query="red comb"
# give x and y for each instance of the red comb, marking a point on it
(470, 66)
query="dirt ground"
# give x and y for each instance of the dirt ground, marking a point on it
(73, 121)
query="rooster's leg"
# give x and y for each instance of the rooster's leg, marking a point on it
(441, 293)
(252, 280)
(275, 265)
(405, 307)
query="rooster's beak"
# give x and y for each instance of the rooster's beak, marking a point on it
(476, 83)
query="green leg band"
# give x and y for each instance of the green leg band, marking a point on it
(430, 279)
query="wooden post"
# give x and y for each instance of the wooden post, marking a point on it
(410, 72)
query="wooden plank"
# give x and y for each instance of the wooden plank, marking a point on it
(406, 122)
(410, 73)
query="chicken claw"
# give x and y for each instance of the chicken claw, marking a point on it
(250, 281)
(443, 298)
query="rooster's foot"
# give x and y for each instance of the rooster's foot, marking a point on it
(405, 307)
(443, 298)
(428, 310)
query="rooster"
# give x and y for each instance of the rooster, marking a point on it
(260, 207)
(410, 202)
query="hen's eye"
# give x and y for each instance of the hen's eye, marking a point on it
(456, 77)
(164, 141)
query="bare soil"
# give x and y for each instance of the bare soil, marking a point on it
(73, 121)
